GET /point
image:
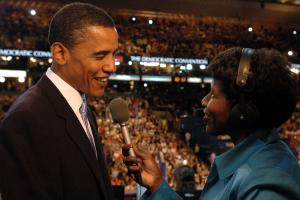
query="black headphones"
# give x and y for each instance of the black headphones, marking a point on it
(244, 114)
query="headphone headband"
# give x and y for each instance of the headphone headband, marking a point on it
(244, 67)
(244, 115)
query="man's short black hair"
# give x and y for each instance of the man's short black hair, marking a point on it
(69, 24)
(271, 85)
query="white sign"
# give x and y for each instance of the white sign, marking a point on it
(169, 60)
(25, 53)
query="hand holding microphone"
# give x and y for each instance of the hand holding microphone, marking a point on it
(120, 114)
(141, 163)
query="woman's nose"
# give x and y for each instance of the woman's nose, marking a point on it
(204, 101)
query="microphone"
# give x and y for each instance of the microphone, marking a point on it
(120, 114)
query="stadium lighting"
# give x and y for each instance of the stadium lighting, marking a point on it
(202, 67)
(115, 86)
(33, 12)
(133, 18)
(189, 67)
(121, 77)
(290, 53)
(21, 79)
(129, 62)
(150, 64)
(150, 21)
(162, 65)
(194, 80)
(8, 58)
(32, 59)
(250, 29)
(294, 32)
(2, 79)
(152, 78)
(185, 162)
(294, 70)
(13, 73)
(145, 85)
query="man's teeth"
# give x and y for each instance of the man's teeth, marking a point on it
(101, 79)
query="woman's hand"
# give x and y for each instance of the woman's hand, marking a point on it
(145, 164)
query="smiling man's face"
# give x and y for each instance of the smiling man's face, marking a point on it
(92, 60)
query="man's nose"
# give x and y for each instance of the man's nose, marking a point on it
(110, 66)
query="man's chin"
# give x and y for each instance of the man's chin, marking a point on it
(98, 93)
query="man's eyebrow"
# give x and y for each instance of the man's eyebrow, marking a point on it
(101, 53)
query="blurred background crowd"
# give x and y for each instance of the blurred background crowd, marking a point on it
(165, 117)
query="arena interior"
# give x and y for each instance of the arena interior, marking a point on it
(164, 49)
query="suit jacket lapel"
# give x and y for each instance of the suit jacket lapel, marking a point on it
(73, 126)
(101, 156)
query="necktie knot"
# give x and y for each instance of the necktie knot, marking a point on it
(83, 107)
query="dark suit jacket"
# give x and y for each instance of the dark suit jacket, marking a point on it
(45, 153)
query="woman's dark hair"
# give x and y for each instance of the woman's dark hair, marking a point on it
(69, 24)
(271, 86)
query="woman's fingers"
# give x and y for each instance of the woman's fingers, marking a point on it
(141, 153)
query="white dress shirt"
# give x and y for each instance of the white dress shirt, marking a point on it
(71, 95)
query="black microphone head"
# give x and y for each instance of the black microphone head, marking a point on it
(119, 110)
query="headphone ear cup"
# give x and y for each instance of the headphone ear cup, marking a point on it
(244, 116)
(235, 116)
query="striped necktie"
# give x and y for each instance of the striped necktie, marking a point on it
(83, 111)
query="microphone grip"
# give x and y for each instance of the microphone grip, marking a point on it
(127, 140)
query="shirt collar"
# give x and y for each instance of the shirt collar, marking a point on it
(228, 162)
(72, 96)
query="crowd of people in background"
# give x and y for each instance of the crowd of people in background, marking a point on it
(198, 38)
(291, 132)
(150, 129)
(153, 129)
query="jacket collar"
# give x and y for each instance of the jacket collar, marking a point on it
(228, 162)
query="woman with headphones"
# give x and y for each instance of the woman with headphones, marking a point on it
(253, 92)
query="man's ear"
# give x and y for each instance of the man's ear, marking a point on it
(60, 53)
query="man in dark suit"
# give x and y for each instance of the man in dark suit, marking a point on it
(49, 148)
